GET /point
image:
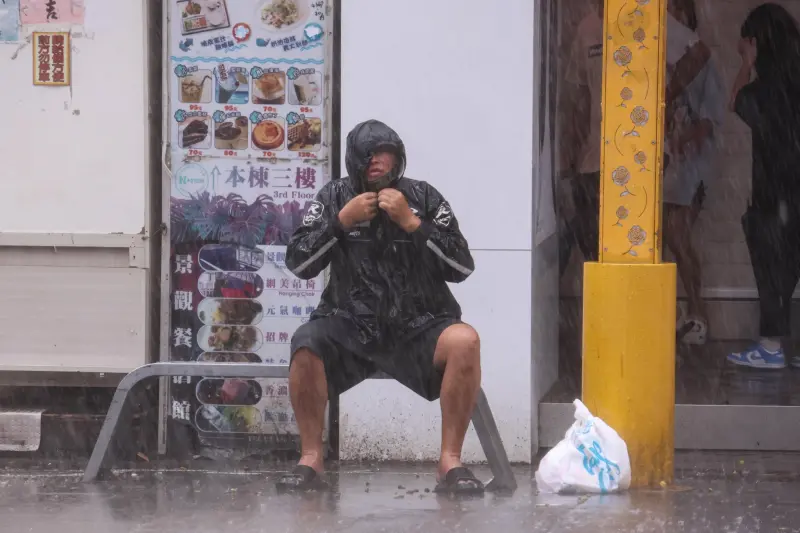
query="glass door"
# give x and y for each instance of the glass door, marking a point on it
(731, 212)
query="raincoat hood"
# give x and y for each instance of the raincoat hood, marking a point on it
(366, 139)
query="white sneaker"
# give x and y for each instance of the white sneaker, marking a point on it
(681, 321)
(695, 331)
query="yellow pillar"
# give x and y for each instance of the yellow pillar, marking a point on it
(629, 296)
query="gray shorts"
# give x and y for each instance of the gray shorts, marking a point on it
(349, 361)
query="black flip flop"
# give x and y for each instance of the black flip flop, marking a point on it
(301, 479)
(460, 480)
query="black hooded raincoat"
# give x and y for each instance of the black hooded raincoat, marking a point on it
(387, 281)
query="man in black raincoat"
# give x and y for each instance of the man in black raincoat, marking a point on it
(392, 244)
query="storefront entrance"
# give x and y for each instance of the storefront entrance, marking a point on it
(720, 405)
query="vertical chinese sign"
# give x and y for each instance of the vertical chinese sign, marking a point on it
(51, 58)
(248, 154)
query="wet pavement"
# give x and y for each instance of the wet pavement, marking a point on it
(715, 492)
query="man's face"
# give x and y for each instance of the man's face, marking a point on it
(381, 164)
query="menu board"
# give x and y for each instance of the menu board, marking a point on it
(248, 154)
(248, 78)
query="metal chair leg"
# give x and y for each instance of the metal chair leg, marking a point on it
(100, 459)
(482, 417)
(486, 428)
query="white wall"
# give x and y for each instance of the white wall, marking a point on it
(73, 158)
(74, 161)
(455, 79)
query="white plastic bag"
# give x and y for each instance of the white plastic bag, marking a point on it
(592, 457)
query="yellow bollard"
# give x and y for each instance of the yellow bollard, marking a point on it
(629, 361)
(629, 296)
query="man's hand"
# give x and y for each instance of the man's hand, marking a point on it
(396, 206)
(362, 208)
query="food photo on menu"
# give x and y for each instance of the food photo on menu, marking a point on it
(203, 15)
(194, 132)
(270, 88)
(305, 135)
(231, 311)
(230, 285)
(232, 85)
(217, 391)
(306, 90)
(231, 134)
(245, 339)
(283, 15)
(228, 419)
(196, 87)
(269, 134)
(230, 258)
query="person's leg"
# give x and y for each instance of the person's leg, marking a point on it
(771, 270)
(697, 264)
(786, 274)
(308, 390)
(697, 203)
(678, 237)
(765, 245)
(586, 195)
(327, 359)
(440, 358)
(566, 240)
(794, 242)
(458, 354)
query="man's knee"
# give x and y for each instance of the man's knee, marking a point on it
(306, 361)
(459, 344)
(307, 375)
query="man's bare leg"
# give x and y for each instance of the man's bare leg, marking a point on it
(308, 389)
(458, 350)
